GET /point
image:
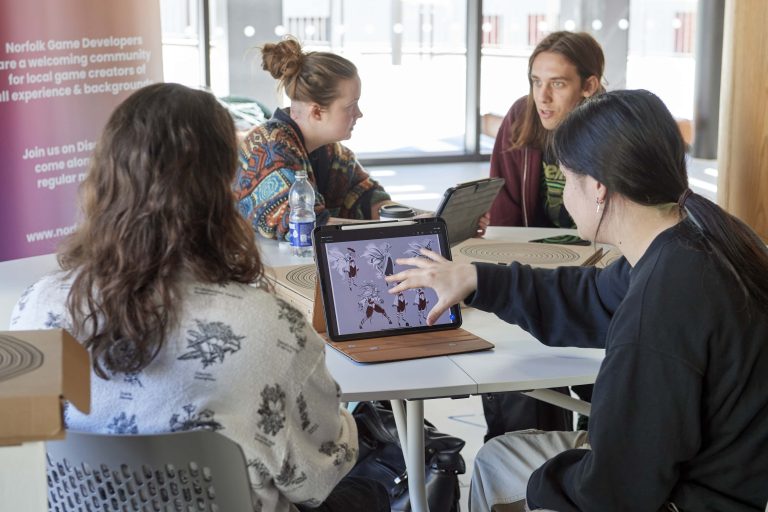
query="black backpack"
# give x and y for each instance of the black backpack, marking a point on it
(381, 459)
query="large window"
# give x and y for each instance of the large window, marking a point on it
(413, 59)
(656, 36)
(182, 25)
(510, 31)
(661, 57)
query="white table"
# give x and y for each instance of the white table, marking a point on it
(518, 363)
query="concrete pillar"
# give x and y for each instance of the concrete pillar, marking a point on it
(743, 140)
(706, 97)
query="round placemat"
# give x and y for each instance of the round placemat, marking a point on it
(530, 254)
(303, 277)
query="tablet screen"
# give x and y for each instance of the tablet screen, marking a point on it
(353, 261)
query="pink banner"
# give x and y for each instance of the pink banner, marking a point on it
(64, 66)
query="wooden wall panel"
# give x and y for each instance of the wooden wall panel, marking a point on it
(743, 138)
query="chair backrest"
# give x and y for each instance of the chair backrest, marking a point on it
(196, 470)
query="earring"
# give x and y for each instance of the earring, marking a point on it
(598, 202)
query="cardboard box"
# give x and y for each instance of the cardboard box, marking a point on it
(37, 370)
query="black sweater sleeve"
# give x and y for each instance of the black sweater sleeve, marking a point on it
(567, 306)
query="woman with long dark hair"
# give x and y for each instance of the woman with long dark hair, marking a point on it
(680, 410)
(161, 282)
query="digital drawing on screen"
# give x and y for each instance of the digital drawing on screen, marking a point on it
(361, 301)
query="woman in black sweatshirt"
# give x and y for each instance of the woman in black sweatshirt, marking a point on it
(680, 409)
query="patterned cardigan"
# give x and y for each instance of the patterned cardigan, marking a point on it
(271, 154)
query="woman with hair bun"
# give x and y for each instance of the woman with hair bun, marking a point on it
(324, 89)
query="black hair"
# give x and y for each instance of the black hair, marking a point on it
(629, 141)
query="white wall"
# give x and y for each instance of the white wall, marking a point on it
(16, 276)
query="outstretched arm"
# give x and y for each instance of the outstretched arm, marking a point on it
(568, 306)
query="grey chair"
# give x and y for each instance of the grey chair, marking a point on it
(184, 471)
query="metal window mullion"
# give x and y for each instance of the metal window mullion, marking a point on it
(204, 41)
(472, 97)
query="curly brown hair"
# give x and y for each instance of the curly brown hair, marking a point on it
(157, 204)
(311, 76)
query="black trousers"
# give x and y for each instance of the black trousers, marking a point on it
(508, 412)
(354, 494)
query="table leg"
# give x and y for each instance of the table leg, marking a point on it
(559, 399)
(398, 409)
(411, 432)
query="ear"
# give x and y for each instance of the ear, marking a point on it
(591, 85)
(601, 191)
(316, 112)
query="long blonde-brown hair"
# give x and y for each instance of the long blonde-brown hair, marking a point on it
(157, 204)
(306, 76)
(578, 48)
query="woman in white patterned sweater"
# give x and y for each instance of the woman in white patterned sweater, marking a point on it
(157, 282)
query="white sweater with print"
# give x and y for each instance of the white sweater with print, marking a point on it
(241, 362)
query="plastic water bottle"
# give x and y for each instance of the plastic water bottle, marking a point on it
(301, 221)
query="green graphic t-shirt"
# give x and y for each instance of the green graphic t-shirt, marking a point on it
(552, 193)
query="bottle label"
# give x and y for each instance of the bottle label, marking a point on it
(301, 233)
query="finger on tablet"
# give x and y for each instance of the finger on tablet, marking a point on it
(432, 255)
(435, 312)
(412, 262)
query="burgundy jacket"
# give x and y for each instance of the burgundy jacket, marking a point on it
(519, 200)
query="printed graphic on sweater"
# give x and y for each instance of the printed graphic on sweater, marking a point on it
(340, 452)
(296, 322)
(259, 473)
(194, 421)
(53, 321)
(289, 475)
(272, 409)
(22, 303)
(122, 424)
(211, 342)
(302, 405)
(133, 379)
